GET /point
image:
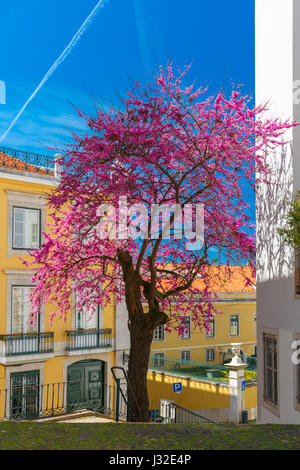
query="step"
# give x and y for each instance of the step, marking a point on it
(79, 416)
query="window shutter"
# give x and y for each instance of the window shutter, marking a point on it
(33, 229)
(19, 228)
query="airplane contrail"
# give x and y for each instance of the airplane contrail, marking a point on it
(58, 61)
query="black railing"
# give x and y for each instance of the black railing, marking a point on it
(183, 415)
(120, 395)
(27, 399)
(31, 400)
(26, 343)
(89, 339)
(42, 162)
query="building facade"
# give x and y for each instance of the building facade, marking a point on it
(236, 323)
(277, 77)
(46, 368)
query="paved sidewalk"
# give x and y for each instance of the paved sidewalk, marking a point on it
(86, 419)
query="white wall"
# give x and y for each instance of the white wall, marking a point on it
(276, 68)
(122, 334)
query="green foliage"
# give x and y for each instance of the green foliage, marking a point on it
(225, 374)
(291, 231)
(250, 375)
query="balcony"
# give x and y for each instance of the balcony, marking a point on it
(89, 339)
(21, 344)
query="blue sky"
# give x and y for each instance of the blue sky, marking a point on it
(128, 39)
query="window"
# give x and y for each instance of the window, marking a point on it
(210, 354)
(24, 400)
(212, 325)
(86, 320)
(185, 356)
(26, 228)
(159, 333)
(234, 325)
(21, 310)
(159, 359)
(186, 333)
(270, 369)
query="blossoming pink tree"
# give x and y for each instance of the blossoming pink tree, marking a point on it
(166, 145)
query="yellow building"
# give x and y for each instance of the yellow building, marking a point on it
(45, 369)
(236, 323)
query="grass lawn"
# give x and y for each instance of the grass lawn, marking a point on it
(59, 436)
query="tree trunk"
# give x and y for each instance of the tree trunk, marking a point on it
(141, 326)
(141, 339)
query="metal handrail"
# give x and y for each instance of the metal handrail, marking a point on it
(128, 383)
(191, 412)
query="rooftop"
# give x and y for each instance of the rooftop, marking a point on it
(29, 162)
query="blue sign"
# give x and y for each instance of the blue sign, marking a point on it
(177, 387)
(243, 385)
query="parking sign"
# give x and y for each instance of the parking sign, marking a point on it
(177, 387)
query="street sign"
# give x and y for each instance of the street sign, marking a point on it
(177, 387)
(243, 385)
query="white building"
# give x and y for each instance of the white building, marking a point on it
(277, 65)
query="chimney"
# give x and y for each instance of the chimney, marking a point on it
(57, 166)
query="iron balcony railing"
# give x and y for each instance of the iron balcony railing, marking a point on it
(42, 162)
(26, 343)
(89, 339)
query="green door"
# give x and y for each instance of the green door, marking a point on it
(85, 388)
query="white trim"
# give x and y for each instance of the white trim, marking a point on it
(28, 179)
(28, 367)
(24, 200)
(19, 278)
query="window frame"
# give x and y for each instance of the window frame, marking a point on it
(27, 200)
(274, 400)
(74, 312)
(161, 354)
(39, 227)
(163, 333)
(24, 395)
(79, 311)
(38, 328)
(184, 361)
(207, 335)
(189, 330)
(206, 354)
(238, 325)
